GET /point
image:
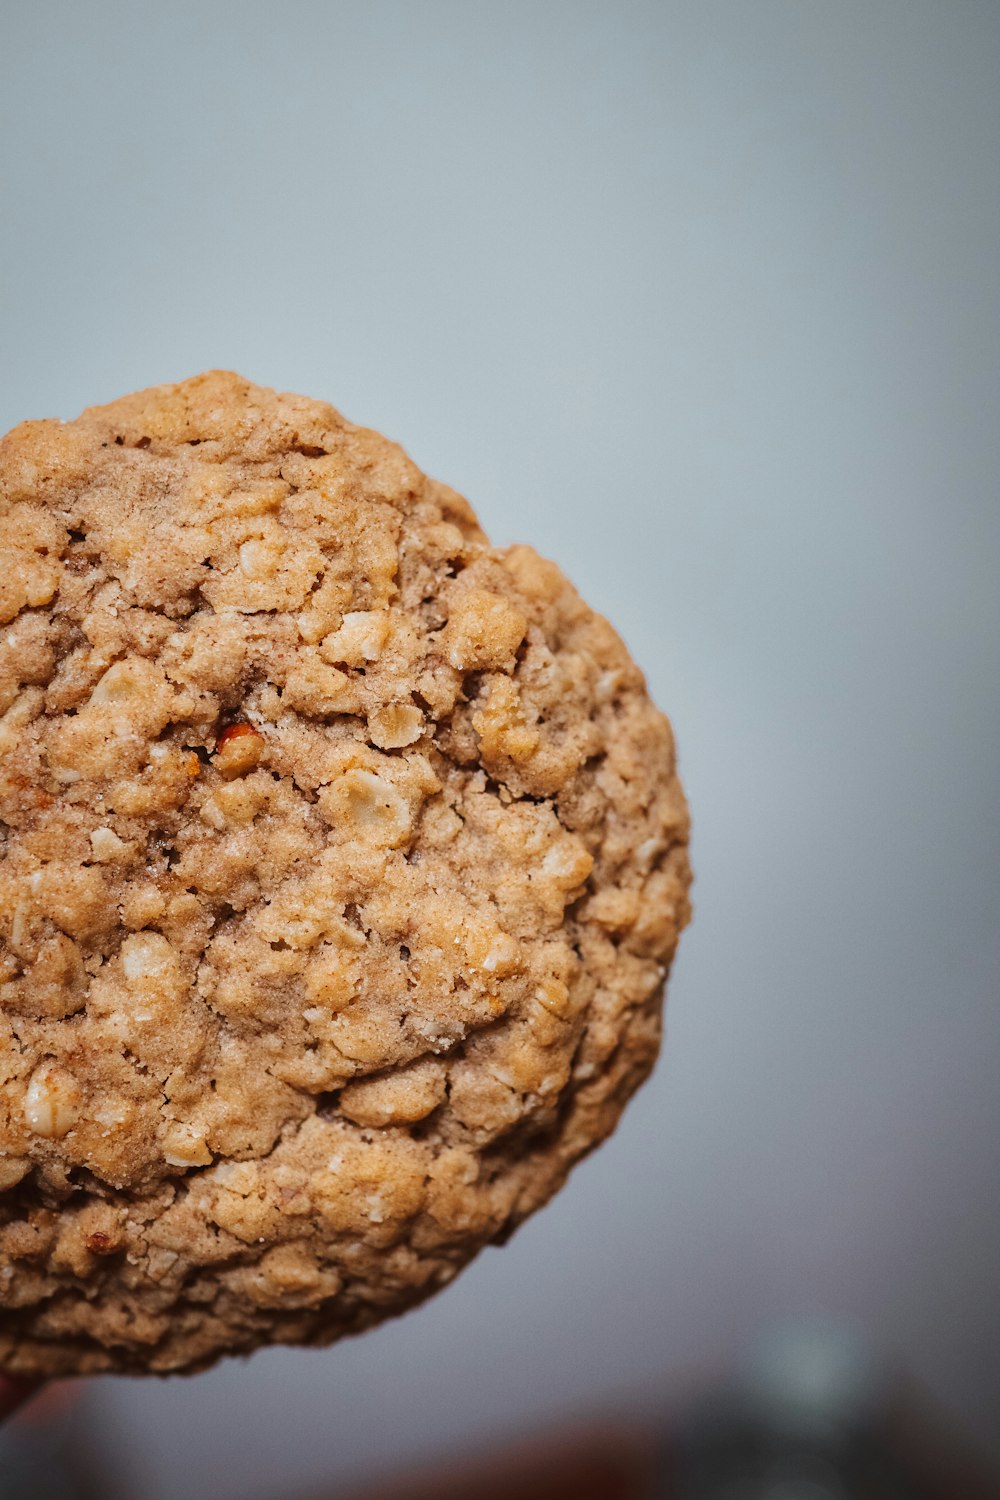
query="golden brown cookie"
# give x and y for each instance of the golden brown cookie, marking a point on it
(342, 858)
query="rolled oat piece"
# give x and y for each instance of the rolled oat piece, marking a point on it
(342, 861)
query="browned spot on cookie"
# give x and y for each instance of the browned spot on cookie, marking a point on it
(100, 1243)
(238, 749)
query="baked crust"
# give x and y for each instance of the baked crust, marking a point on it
(343, 858)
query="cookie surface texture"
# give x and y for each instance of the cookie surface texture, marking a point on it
(342, 858)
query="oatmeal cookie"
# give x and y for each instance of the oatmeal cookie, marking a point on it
(342, 859)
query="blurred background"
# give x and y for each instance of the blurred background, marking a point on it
(702, 297)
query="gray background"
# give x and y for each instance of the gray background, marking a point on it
(702, 299)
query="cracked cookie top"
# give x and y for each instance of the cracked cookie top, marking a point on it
(342, 857)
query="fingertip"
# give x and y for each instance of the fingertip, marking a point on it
(14, 1392)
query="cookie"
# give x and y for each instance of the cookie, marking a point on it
(342, 859)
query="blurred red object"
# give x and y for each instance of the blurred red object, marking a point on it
(601, 1461)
